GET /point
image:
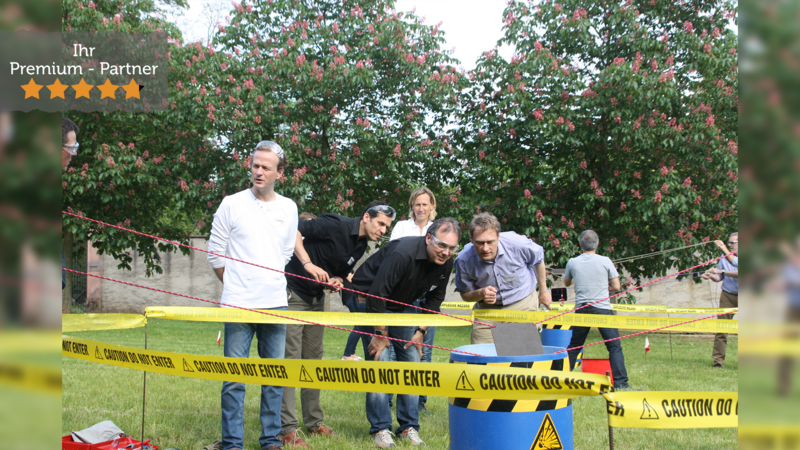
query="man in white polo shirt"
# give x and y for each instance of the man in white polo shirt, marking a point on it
(259, 226)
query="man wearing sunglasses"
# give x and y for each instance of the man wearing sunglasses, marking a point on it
(327, 249)
(500, 270)
(404, 270)
(727, 271)
(69, 141)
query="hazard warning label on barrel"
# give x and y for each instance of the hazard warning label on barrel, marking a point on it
(547, 438)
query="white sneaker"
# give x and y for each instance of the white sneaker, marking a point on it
(352, 358)
(412, 435)
(383, 439)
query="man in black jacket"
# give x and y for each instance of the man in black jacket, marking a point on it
(326, 250)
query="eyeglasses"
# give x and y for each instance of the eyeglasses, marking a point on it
(271, 146)
(383, 209)
(443, 246)
(71, 149)
(733, 242)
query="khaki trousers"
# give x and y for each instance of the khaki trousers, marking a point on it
(302, 342)
(726, 300)
(481, 334)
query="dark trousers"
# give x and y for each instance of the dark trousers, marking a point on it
(352, 303)
(615, 356)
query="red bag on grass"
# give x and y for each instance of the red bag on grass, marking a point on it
(125, 442)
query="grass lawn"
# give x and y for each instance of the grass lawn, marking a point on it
(185, 412)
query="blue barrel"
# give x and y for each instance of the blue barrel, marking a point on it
(511, 424)
(556, 338)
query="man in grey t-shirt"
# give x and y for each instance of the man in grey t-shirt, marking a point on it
(593, 275)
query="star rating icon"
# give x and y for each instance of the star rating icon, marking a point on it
(83, 89)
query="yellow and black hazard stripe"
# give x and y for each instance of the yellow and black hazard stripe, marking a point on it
(556, 327)
(487, 404)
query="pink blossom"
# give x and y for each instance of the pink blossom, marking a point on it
(537, 46)
(300, 60)
(397, 151)
(619, 61)
(623, 206)
(512, 132)
(182, 184)
(111, 162)
(481, 154)
(636, 193)
(657, 197)
(599, 193)
(539, 215)
(688, 27)
(698, 199)
(335, 27)
(710, 121)
(556, 243)
(527, 194)
(617, 118)
(538, 114)
(560, 120)
(583, 164)
(594, 183)
(139, 162)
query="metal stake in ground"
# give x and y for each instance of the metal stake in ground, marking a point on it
(670, 342)
(610, 429)
(144, 383)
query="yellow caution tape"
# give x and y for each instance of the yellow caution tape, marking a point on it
(457, 305)
(769, 437)
(673, 409)
(29, 341)
(31, 377)
(326, 318)
(447, 380)
(609, 321)
(770, 347)
(95, 322)
(660, 309)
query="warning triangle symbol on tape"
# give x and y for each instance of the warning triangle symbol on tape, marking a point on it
(703, 325)
(304, 376)
(97, 353)
(463, 383)
(648, 412)
(186, 366)
(547, 438)
(614, 322)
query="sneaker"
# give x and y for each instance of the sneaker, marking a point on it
(383, 439)
(717, 366)
(352, 358)
(324, 430)
(412, 435)
(423, 409)
(293, 439)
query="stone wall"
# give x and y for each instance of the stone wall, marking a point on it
(192, 275)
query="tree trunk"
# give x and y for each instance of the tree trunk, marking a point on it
(66, 292)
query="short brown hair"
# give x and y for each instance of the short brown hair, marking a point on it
(307, 216)
(416, 193)
(482, 222)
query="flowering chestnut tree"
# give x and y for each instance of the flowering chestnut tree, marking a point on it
(356, 93)
(156, 172)
(615, 116)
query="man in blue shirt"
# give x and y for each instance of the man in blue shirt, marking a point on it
(496, 270)
(727, 271)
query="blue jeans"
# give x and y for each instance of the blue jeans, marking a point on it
(352, 303)
(427, 353)
(615, 356)
(271, 344)
(379, 413)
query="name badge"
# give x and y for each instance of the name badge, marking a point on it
(352, 260)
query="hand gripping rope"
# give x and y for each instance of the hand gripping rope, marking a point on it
(270, 268)
(266, 313)
(648, 331)
(637, 287)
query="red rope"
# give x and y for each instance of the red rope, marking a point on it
(264, 312)
(648, 331)
(634, 288)
(270, 268)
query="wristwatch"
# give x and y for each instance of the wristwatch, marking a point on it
(421, 331)
(382, 333)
